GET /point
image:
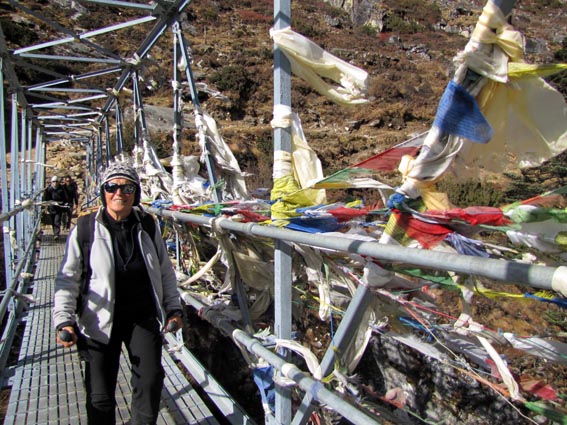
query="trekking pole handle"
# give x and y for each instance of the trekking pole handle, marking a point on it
(65, 335)
(172, 326)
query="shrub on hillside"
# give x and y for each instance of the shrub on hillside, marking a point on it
(471, 193)
(17, 33)
(534, 181)
(233, 78)
(252, 17)
(410, 16)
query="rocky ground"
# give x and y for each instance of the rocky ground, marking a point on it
(407, 72)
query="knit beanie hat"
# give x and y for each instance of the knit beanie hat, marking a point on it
(119, 170)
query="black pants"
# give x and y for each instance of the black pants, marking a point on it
(144, 343)
(67, 216)
(56, 222)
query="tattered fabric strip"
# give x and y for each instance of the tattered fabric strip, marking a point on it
(315, 65)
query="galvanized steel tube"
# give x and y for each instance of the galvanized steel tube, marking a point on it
(501, 270)
(289, 370)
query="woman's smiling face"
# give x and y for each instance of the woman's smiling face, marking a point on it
(119, 204)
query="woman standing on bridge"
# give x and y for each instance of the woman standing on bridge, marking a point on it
(127, 294)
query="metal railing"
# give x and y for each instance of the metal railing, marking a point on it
(13, 297)
(508, 272)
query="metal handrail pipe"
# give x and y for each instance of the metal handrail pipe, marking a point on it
(544, 277)
(289, 370)
(26, 204)
(231, 410)
(10, 290)
(305, 382)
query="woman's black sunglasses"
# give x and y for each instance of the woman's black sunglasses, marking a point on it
(127, 188)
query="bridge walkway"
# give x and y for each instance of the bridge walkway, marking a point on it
(47, 381)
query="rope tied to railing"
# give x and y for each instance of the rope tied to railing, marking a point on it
(21, 206)
(283, 117)
(559, 280)
(26, 299)
(176, 85)
(134, 60)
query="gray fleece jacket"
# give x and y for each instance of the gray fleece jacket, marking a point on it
(97, 309)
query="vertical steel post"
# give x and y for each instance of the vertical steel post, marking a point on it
(282, 249)
(137, 124)
(22, 152)
(149, 153)
(29, 224)
(29, 181)
(177, 114)
(4, 176)
(23, 185)
(178, 254)
(99, 149)
(42, 161)
(107, 136)
(29, 153)
(39, 170)
(177, 129)
(119, 130)
(15, 167)
(181, 51)
(91, 178)
(505, 6)
(201, 130)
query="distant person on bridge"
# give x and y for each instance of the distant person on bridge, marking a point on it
(127, 294)
(56, 193)
(72, 191)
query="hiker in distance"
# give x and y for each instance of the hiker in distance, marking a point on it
(72, 192)
(57, 194)
(126, 293)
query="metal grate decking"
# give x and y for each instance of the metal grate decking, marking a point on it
(47, 385)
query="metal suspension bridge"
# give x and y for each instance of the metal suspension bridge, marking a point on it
(48, 101)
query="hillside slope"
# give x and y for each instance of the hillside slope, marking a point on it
(409, 64)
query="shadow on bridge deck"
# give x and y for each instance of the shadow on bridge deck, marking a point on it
(47, 381)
